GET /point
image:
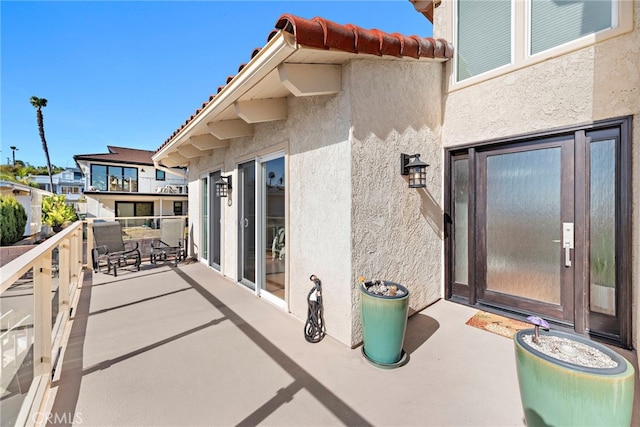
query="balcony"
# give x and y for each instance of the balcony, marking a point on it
(106, 184)
(186, 346)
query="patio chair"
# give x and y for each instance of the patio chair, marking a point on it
(111, 249)
(171, 242)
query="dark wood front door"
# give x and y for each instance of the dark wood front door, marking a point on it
(541, 225)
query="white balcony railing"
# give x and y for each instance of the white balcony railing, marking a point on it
(37, 293)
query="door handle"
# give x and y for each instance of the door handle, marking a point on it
(246, 222)
(567, 242)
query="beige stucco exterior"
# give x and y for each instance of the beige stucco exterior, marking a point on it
(597, 82)
(349, 211)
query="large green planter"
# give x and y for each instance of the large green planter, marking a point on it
(384, 322)
(558, 393)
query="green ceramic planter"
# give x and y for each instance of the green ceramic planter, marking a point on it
(384, 322)
(558, 393)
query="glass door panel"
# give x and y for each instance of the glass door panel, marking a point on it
(524, 206)
(461, 221)
(274, 229)
(523, 218)
(602, 228)
(247, 224)
(204, 216)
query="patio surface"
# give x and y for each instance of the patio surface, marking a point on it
(184, 346)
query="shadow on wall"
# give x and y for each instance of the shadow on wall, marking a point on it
(432, 212)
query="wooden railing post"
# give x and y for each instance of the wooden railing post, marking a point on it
(42, 316)
(65, 272)
(89, 242)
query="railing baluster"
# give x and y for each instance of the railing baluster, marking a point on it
(42, 315)
(65, 267)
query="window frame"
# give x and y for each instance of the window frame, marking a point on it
(622, 22)
(108, 176)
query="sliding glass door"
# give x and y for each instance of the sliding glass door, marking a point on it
(247, 224)
(273, 231)
(262, 226)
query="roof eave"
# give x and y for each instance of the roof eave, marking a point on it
(275, 52)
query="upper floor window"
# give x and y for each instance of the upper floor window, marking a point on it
(483, 36)
(556, 22)
(489, 36)
(114, 178)
(160, 175)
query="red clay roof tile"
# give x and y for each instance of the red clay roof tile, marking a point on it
(321, 33)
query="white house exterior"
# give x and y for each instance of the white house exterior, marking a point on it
(69, 182)
(124, 182)
(31, 200)
(332, 124)
(330, 108)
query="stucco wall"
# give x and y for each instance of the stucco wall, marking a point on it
(345, 194)
(397, 231)
(598, 82)
(320, 205)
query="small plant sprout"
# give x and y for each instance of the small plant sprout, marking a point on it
(537, 323)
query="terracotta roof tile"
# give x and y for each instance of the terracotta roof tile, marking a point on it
(321, 33)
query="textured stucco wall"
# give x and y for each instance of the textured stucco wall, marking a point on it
(320, 205)
(397, 231)
(598, 82)
(349, 210)
(315, 139)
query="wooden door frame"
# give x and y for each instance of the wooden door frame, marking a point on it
(466, 293)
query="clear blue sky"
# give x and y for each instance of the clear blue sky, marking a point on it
(130, 73)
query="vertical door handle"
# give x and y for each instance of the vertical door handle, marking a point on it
(246, 222)
(567, 242)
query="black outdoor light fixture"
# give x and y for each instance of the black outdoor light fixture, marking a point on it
(410, 164)
(223, 186)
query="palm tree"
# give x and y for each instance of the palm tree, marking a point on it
(38, 103)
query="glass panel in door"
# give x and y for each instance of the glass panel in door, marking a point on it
(204, 216)
(215, 225)
(274, 232)
(523, 213)
(247, 224)
(461, 220)
(602, 227)
(523, 228)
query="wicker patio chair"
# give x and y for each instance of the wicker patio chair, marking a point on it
(111, 249)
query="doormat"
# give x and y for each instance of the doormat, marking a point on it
(497, 324)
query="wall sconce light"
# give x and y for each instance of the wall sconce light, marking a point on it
(142, 170)
(410, 164)
(223, 188)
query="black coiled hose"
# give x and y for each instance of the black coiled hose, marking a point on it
(314, 329)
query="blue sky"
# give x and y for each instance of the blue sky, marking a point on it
(130, 73)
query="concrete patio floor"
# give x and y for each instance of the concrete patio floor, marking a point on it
(184, 346)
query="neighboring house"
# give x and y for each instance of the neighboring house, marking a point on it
(527, 130)
(31, 200)
(69, 182)
(125, 183)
